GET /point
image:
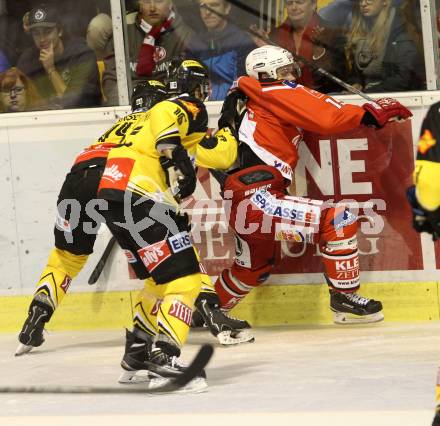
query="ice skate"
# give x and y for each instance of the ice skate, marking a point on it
(135, 363)
(31, 335)
(352, 308)
(197, 320)
(227, 330)
(167, 367)
(142, 363)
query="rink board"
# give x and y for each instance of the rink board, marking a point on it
(390, 418)
(265, 306)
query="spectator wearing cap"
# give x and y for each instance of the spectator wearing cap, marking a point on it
(156, 34)
(64, 72)
(222, 47)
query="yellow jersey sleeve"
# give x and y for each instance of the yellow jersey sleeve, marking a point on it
(427, 171)
(218, 151)
(168, 124)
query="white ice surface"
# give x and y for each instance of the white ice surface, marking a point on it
(376, 375)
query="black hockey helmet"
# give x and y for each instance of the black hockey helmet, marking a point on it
(148, 93)
(186, 76)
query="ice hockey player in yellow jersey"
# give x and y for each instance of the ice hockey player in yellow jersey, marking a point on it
(424, 196)
(73, 241)
(143, 184)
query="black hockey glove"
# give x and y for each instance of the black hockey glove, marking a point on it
(180, 173)
(232, 110)
(182, 222)
(423, 220)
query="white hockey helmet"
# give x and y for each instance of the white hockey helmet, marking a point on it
(267, 59)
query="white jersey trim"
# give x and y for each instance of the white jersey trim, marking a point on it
(268, 89)
(246, 135)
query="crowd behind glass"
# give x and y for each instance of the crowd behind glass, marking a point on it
(57, 55)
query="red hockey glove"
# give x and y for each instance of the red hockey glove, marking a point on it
(384, 110)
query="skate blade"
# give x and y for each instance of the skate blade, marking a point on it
(196, 385)
(133, 377)
(23, 349)
(228, 338)
(347, 318)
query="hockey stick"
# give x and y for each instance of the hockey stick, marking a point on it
(299, 58)
(101, 263)
(199, 362)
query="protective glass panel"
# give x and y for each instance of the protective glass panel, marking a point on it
(374, 45)
(214, 32)
(56, 55)
(379, 42)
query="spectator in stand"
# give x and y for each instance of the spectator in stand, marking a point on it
(156, 34)
(76, 15)
(305, 34)
(382, 56)
(65, 72)
(18, 93)
(222, 47)
(100, 40)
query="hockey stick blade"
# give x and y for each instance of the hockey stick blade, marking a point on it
(96, 273)
(200, 361)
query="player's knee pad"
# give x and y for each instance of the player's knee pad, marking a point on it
(252, 277)
(67, 262)
(151, 287)
(234, 284)
(339, 249)
(145, 310)
(338, 223)
(189, 286)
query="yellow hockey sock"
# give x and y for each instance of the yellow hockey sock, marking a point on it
(175, 311)
(61, 268)
(146, 308)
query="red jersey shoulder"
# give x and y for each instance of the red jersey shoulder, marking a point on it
(246, 84)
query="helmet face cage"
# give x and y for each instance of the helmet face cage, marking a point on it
(147, 94)
(267, 60)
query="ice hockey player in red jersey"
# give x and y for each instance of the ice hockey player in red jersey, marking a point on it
(277, 111)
